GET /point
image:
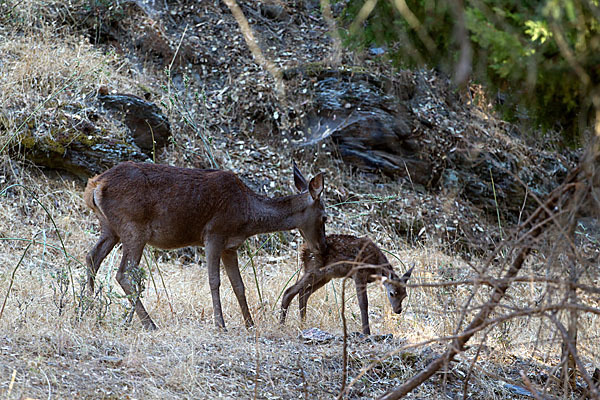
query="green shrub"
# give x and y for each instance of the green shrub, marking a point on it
(542, 57)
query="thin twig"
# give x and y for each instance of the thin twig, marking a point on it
(62, 243)
(586, 377)
(260, 299)
(535, 393)
(256, 376)
(473, 361)
(12, 278)
(345, 343)
(481, 319)
(252, 44)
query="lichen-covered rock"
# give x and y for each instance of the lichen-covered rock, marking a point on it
(84, 160)
(80, 141)
(417, 126)
(149, 127)
(86, 139)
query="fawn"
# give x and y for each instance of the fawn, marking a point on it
(347, 256)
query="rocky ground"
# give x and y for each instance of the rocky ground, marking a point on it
(427, 170)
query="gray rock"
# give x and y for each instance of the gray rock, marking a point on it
(150, 129)
(416, 126)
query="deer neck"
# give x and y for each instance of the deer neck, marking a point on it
(278, 214)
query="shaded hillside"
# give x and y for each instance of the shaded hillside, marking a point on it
(412, 127)
(426, 171)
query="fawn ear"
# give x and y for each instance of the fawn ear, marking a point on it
(407, 274)
(299, 179)
(316, 186)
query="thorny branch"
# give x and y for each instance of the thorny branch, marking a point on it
(591, 386)
(578, 186)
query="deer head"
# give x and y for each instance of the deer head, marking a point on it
(312, 228)
(396, 291)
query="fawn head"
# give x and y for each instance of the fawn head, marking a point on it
(313, 227)
(396, 291)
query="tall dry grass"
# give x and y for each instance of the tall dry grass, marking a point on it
(49, 79)
(56, 342)
(57, 350)
(61, 345)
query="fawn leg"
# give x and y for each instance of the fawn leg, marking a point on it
(288, 296)
(363, 303)
(308, 289)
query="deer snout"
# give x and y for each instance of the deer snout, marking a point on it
(322, 245)
(315, 241)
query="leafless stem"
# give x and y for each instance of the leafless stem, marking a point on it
(256, 376)
(345, 344)
(534, 392)
(586, 377)
(472, 365)
(481, 319)
(254, 48)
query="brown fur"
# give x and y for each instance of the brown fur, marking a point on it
(169, 207)
(346, 256)
(88, 194)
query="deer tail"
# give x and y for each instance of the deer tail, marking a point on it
(92, 195)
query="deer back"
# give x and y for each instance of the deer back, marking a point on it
(346, 253)
(172, 207)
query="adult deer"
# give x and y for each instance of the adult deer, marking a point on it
(169, 207)
(347, 256)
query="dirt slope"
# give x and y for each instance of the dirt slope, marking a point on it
(190, 58)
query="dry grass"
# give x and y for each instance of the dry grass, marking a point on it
(56, 351)
(49, 78)
(54, 343)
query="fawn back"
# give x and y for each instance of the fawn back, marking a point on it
(347, 256)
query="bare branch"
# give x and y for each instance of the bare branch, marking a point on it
(254, 48)
(586, 377)
(555, 200)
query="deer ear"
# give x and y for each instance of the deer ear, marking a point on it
(407, 274)
(316, 186)
(299, 179)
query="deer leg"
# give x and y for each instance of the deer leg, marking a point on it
(230, 262)
(303, 301)
(213, 250)
(130, 279)
(105, 244)
(363, 303)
